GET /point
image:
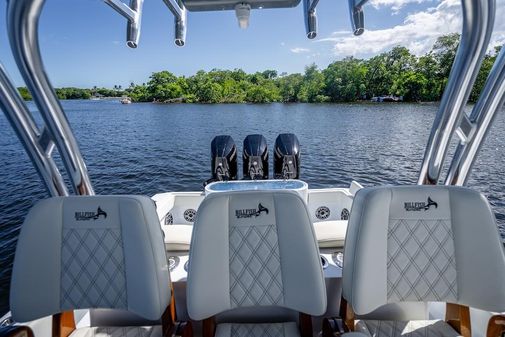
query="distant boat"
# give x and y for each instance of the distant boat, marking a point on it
(126, 100)
(96, 97)
(388, 98)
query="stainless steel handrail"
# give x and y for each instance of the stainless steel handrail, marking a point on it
(478, 20)
(490, 101)
(22, 24)
(38, 147)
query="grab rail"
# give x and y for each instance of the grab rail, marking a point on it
(490, 101)
(478, 20)
(37, 144)
(22, 24)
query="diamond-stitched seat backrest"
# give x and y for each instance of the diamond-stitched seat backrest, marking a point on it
(90, 252)
(254, 249)
(421, 244)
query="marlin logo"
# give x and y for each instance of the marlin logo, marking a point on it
(251, 212)
(414, 206)
(85, 216)
(430, 203)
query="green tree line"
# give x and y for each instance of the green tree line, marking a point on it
(397, 72)
(79, 93)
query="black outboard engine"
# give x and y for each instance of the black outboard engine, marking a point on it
(287, 157)
(224, 159)
(255, 157)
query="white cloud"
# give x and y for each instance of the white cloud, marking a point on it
(395, 5)
(299, 50)
(418, 31)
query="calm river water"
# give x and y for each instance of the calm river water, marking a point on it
(149, 148)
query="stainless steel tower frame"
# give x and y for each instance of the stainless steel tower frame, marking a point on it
(22, 23)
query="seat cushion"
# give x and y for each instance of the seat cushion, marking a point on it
(103, 252)
(289, 329)
(414, 240)
(254, 249)
(177, 237)
(429, 328)
(330, 234)
(122, 331)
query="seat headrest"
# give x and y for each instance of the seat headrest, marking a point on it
(420, 244)
(254, 249)
(88, 252)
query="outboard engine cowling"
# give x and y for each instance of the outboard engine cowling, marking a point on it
(255, 157)
(287, 157)
(223, 159)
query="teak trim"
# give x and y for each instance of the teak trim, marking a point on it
(347, 314)
(209, 327)
(458, 317)
(63, 324)
(496, 326)
(305, 325)
(169, 316)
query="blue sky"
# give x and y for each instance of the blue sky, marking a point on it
(83, 41)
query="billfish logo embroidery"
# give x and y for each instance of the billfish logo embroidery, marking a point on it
(85, 216)
(251, 212)
(412, 206)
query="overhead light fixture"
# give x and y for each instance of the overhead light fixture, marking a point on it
(243, 11)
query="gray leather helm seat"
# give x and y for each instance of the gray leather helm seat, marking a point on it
(421, 244)
(91, 252)
(253, 260)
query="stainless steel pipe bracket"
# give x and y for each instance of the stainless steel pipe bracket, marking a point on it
(133, 14)
(357, 16)
(180, 16)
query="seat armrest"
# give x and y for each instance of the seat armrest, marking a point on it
(16, 331)
(496, 326)
(333, 326)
